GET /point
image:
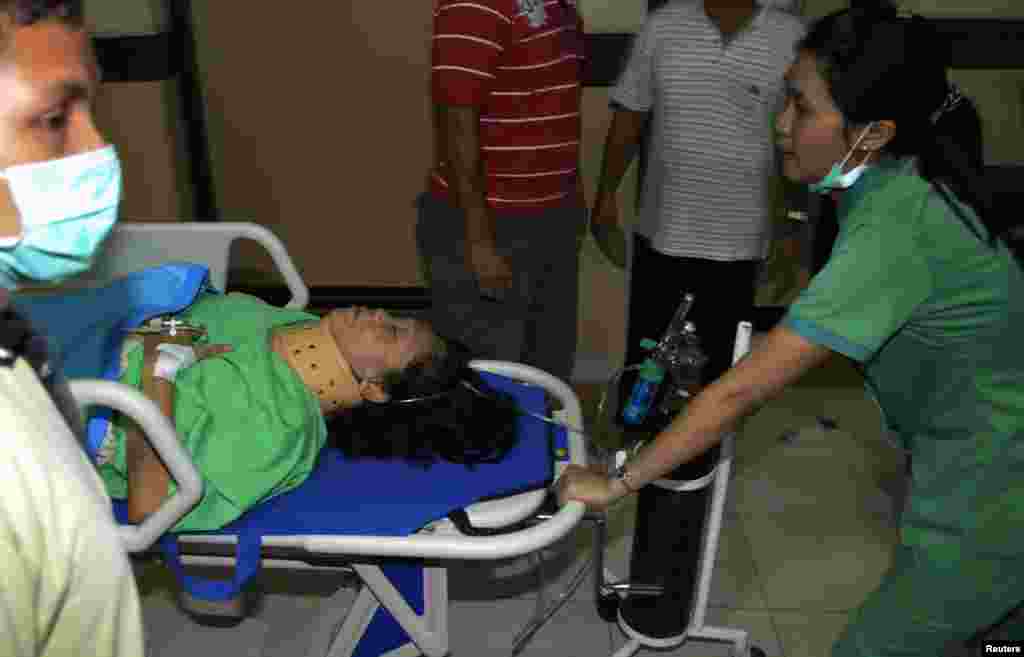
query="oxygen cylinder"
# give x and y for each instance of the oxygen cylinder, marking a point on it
(671, 512)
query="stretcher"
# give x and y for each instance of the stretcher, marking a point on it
(395, 538)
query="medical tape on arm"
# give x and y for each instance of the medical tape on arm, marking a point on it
(172, 358)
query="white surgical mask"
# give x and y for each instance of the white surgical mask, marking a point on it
(68, 206)
(836, 179)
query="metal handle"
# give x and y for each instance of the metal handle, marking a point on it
(161, 435)
(283, 261)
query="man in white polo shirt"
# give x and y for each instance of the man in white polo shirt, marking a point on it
(709, 74)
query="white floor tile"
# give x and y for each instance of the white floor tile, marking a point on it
(820, 469)
(292, 620)
(817, 563)
(809, 635)
(734, 581)
(171, 633)
(485, 629)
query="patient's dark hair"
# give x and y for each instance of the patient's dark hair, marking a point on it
(459, 426)
(881, 65)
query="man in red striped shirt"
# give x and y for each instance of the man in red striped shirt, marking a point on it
(499, 228)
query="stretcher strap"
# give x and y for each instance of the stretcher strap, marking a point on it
(247, 565)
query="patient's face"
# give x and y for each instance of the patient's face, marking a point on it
(48, 81)
(375, 342)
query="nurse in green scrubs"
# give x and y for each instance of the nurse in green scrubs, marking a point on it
(923, 292)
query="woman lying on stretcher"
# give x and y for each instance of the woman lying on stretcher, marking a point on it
(252, 401)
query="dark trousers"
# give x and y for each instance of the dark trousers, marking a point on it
(535, 322)
(724, 296)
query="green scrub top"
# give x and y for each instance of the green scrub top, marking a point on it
(935, 317)
(253, 429)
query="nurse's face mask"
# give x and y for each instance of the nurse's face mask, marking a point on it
(67, 206)
(836, 179)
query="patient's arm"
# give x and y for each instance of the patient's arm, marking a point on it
(148, 478)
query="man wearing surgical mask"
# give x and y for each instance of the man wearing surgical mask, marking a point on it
(66, 586)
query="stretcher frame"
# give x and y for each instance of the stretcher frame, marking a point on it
(136, 246)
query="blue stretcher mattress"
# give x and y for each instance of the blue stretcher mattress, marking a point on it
(397, 498)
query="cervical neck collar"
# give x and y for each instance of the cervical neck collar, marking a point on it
(310, 350)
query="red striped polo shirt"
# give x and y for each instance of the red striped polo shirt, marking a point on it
(520, 62)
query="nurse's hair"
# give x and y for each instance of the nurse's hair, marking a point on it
(881, 65)
(433, 414)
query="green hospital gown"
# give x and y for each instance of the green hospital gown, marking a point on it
(936, 319)
(252, 427)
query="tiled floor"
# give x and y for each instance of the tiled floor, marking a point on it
(807, 533)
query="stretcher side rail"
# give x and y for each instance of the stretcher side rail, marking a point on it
(164, 439)
(133, 246)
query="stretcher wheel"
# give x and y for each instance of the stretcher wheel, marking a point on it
(608, 607)
(757, 652)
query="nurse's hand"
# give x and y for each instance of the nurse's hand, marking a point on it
(590, 486)
(604, 225)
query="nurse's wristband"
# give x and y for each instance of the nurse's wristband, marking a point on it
(172, 358)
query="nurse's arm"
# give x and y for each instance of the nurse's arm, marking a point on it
(778, 360)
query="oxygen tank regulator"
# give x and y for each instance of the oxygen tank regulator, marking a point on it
(677, 355)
